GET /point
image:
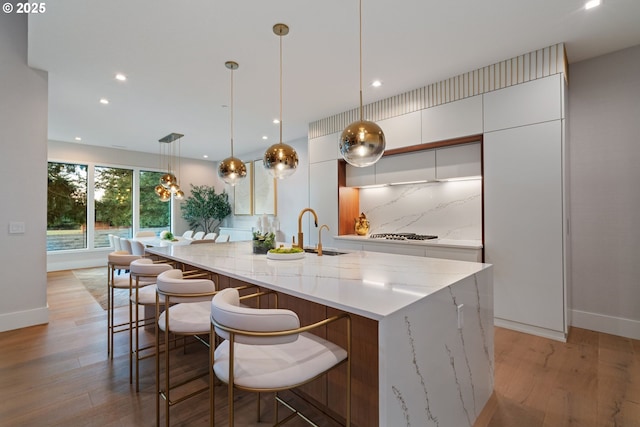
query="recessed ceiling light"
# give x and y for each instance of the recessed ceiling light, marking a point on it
(265, 137)
(276, 121)
(121, 77)
(77, 138)
(376, 83)
(591, 4)
(205, 156)
(104, 101)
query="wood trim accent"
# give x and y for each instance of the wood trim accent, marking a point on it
(348, 202)
(432, 145)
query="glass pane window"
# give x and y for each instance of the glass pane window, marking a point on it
(113, 196)
(66, 206)
(155, 215)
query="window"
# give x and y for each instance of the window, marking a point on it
(154, 215)
(66, 206)
(113, 200)
(76, 192)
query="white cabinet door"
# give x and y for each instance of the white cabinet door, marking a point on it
(523, 225)
(458, 161)
(324, 148)
(323, 198)
(536, 101)
(452, 120)
(402, 131)
(407, 167)
(357, 177)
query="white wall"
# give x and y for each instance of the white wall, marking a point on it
(23, 138)
(292, 192)
(197, 172)
(604, 150)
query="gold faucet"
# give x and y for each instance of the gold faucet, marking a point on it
(300, 235)
(320, 238)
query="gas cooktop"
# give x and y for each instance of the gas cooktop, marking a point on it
(402, 236)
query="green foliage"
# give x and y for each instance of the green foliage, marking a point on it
(153, 212)
(204, 208)
(66, 196)
(114, 203)
(267, 240)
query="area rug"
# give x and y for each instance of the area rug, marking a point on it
(95, 281)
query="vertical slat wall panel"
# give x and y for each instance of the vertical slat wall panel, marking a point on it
(521, 69)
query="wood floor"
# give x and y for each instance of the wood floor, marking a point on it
(59, 375)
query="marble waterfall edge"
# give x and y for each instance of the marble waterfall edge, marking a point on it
(436, 374)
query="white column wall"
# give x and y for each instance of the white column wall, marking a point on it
(23, 138)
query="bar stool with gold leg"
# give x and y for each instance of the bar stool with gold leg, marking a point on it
(117, 261)
(142, 293)
(266, 350)
(187, 309)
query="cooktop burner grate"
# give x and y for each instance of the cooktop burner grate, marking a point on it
(402, 236)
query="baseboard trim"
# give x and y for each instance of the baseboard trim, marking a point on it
(23, 319)
(620, 326)
(529, 329)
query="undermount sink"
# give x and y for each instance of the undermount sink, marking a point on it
(327, 252)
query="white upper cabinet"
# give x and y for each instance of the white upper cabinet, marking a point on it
(536, 101)
(408, 167)
(324, 148)
(323, 198)
(458, 161)
(452, 120)
(401, 131)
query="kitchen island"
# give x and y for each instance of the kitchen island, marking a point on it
(423, 327)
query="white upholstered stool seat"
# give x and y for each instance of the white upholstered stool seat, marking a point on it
(281, 366)
(191, 318)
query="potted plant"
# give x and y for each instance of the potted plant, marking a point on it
(205, 209)
(262, 242)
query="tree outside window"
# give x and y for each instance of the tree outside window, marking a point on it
(66, 206)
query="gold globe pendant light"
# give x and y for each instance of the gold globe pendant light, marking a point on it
(280, 160)
(362, 142)
(168, 182)
(232, 170)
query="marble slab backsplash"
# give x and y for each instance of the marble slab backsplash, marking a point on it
(449, 210)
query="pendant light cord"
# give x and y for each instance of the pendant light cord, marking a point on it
(232, 112)
(360, 60)
(281, 86)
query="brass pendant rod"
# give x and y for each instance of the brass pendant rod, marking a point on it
(360, 60)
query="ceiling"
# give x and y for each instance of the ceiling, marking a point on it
(173, 53)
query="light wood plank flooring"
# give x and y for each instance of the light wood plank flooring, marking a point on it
(59, 375)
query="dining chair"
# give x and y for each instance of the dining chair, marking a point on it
(187, 234)
(210, 236)
(198, 235)
(266, 350)
(223, 238)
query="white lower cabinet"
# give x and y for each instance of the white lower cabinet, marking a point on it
(524, 226)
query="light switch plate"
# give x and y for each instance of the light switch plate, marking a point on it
(16, 227)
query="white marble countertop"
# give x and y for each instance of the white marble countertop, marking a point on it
(370, 284)
(450, 243)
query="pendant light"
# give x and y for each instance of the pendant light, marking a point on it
(232, 170)
(280, 160)
(168, 182)
(362, 142)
